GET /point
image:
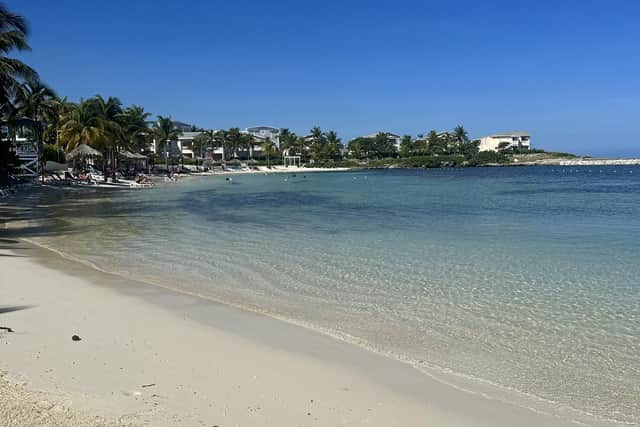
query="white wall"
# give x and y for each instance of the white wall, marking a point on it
(491, 143)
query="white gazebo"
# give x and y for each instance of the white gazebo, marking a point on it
(291, 161)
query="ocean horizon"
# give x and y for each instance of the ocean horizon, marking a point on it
(521, 279)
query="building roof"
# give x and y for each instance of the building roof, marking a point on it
(373, 135)
(262, 127)
(189, 135)
(182, 125)
(508, 134)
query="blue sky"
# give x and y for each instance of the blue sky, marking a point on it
(568, 71)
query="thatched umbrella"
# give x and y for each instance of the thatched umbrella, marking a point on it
(139, 160)
(83, 151)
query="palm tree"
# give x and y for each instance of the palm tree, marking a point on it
(201, 142)
(220, 139)
(317, 143)
(269, 148)
(435, 144)
(134, 126)
(333, 145)
(234, 140)
(461, 137)
(316, 134)
(38, 102)
(13, 36)
(300, 146)
(164, 131)
(80, 124)
(247, 141)
(461, 134)
(288, 139)
(51, 131)
(407, 146)
(108, 111)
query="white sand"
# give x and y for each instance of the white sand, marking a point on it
(263, 170)
(209, 365)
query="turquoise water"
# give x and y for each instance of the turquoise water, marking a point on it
(526, 278)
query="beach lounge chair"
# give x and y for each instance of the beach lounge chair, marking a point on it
(54, 178)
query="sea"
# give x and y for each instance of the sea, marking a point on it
(522, 281)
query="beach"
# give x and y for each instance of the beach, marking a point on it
(150, 356)
(186, 317)
(280, 232)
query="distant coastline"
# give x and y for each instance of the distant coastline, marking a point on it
(533, 159)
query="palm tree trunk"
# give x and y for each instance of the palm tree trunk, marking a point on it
(114, 157)
(41, 161)
(105, 157)
(166, 157)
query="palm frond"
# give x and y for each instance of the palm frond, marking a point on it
(10, 20)
(11, 40)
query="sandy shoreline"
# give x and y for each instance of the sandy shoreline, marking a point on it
(263, 170)
(209, 364)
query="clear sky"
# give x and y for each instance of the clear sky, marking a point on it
(568, 71)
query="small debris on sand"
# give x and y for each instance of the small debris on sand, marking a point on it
(75, 338)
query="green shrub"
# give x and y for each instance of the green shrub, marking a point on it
(53, 153)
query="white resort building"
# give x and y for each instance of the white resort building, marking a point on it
(261, 133)
(184, 146)
(516, 139)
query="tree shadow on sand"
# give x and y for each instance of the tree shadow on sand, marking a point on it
(10, 309)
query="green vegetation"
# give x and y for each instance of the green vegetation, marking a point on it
(52, 153)
(165, 132)
(442, 149)
(377, 147)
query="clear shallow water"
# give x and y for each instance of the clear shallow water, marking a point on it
(528, 278)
